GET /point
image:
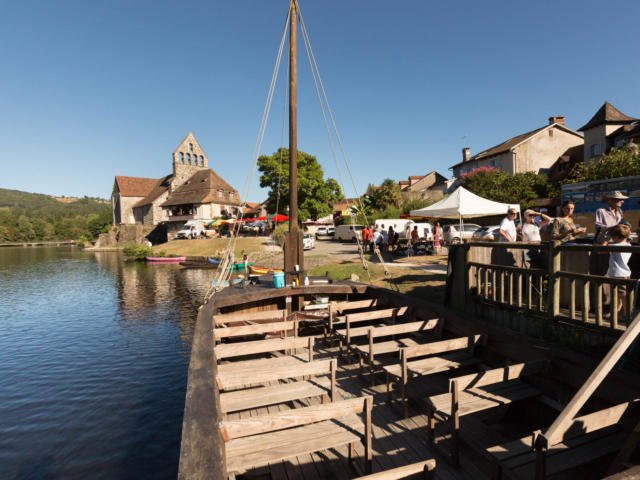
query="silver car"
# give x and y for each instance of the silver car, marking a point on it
(487, 234)
(453, 236)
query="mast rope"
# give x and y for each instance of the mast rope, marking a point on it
(228, 258)
(317, 80)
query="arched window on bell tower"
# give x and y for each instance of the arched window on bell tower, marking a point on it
(181, 157)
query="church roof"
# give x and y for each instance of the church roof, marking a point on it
(135, 186)
(607, 114)
(161, 186)
(203, 187)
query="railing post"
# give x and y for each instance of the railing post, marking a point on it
(467, 276)
(553, 291)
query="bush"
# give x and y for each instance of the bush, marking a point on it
(137, 252)
(278, 233)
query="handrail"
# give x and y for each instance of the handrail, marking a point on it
(599, 248)
(554, 433)
(508, 245)
(508, 268)
(561, 246)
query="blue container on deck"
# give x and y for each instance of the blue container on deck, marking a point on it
(278, 279)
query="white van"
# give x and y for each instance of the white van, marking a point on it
(191, 229)
(348, 233)
(404, 226)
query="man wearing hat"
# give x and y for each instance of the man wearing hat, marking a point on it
(530, 233)
(606, 217)
(609, 216)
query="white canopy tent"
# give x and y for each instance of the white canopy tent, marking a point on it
(464, 204)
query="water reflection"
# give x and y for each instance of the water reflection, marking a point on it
(95, 353)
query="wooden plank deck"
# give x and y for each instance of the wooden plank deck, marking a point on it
(396, 441)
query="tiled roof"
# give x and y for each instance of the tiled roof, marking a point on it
(160, 187)
(607, 114)
(203, 187)
(135, 186)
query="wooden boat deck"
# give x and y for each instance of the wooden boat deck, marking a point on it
(396, 441)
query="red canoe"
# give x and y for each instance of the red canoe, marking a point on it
(166, 259)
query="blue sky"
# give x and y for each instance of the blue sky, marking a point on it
(94, 89)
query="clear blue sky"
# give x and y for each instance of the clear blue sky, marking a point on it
(92, 89)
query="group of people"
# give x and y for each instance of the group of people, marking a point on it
(388, 239)
(611, 229)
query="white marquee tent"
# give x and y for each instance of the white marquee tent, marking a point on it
(464, 204)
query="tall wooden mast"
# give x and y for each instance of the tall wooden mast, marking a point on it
(293, 251)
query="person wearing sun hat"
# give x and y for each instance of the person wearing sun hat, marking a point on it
(609, 216)
(606, 218)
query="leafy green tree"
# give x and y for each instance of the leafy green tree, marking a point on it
(315, 194)
(522, 188)
(619, 162)
(388, 194)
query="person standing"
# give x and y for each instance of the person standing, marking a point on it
(609, 216)
(376, 239)
(563, 227)
(365, 237)
(391, 237)
(618, 261)
(530, 233)
(437, 236)
(508, 232)
(385, 239)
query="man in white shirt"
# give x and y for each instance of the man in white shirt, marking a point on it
(507, 230)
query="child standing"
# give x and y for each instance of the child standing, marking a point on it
(618, 260)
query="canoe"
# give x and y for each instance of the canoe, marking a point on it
(262, 270)
(215, 261)
(235, 266)
(166, 259)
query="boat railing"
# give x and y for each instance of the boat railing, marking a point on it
(550, 280)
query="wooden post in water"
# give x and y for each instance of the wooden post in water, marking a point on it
(293, 252)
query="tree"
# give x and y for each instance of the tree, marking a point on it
(315, 194)
(388, 194)
(494, 184)
(619, 162)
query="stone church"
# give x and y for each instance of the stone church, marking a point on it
(192, 192)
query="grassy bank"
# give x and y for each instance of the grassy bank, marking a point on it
(212, 246)
(410, 280)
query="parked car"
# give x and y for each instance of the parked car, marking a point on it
(349, 233)
(487, 234)
(308, 242)
(321, 231)
(331, 231)
(453, 236)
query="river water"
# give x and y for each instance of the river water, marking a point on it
(94, 353)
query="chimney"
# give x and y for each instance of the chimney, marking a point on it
(465, 154)
(557, 119)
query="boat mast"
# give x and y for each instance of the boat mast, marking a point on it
(293, 253)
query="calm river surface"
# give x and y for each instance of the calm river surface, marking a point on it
(93, 363)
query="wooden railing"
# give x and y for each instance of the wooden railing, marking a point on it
(503, 279)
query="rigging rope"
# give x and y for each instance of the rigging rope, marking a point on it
(228, 258)
(317, 79)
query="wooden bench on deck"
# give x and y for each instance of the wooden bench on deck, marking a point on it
(258, 441)
(285, 329)
(587, 438)
(420, 470)
(245, 399)
(235, 350)
(381, 317)
(451, 354)
(479, 392)
(410, 334)
(261, 316)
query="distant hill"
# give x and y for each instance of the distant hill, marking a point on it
(34, 216)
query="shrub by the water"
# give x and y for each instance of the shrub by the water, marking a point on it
(138, 252)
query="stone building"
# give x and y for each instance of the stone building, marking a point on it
(534, 151)
(191, 192)
(608, 128)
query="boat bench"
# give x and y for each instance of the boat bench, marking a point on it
(225, 351)
(420, 470)
(587, 438)
(443, 356)
(258, 441)
(479, 392)
(245, 399)
(364, 320)
(286, 329)
(227, 319)
(411, 334)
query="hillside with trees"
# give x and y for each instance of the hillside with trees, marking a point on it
(27, 217)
